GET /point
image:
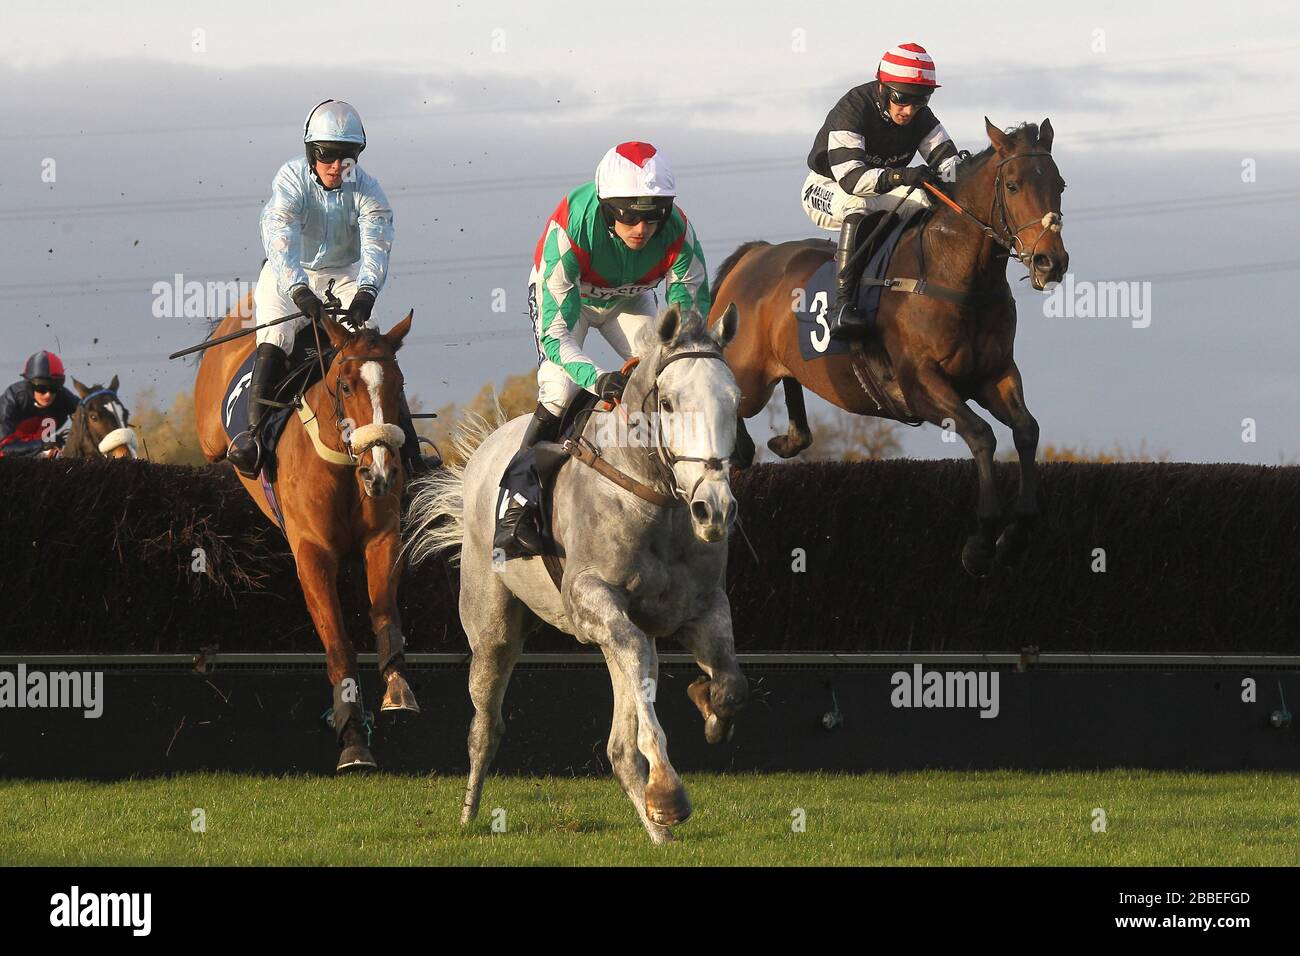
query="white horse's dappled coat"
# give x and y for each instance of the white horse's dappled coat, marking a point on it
(633, 571)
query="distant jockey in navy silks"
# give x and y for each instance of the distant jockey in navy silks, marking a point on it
(34, 409)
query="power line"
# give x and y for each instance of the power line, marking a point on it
(476, 336)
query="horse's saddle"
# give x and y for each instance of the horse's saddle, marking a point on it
(811, 307)
(304, 371)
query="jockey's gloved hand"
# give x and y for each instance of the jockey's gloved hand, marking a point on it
(307, 302)
(610, 385)
(359, 311)
(909, 176)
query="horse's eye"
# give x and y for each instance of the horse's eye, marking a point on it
(94, 416)
(345, 388)
(666, 405)
(1013, 187)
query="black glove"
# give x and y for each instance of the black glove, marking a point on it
(307, 302)
(610, 385)
(909, 176)
(359, 310)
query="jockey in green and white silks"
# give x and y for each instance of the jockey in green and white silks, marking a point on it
(327, 219)
(605, 250)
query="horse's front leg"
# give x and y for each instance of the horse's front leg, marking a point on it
(720, 695)
(938, 402)
(599, 615)
(383, 571)
(1004, 397)
(318, 574)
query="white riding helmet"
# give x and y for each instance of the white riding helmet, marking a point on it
(634, 170)
(334, 121)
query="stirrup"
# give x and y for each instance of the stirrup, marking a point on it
(847, 322)
(517, 535)
(241, 446)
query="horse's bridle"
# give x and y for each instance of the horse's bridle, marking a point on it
(1050, 222)
(339, 420)
(663, 457)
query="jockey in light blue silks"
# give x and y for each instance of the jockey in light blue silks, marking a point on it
(327, 219)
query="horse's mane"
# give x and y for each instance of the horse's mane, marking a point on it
(729, 263)
(1026, 134)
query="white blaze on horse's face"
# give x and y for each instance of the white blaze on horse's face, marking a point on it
(372, 373)
(697, 414)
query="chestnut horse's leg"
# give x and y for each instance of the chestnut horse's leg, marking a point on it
(318, 574)
(382, 574)
(797, 436)
(1004, 397)
(938, 402)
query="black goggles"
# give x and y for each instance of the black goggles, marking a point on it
(329, 153)
(631, 211)
(42, 386)
(908, 99)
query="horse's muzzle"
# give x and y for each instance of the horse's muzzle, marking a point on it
(713, 510)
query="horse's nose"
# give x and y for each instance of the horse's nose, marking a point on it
(701, 511)
(1043, 262)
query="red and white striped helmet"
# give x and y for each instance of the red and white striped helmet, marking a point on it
(907, 63)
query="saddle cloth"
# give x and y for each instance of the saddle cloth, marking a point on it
(304, 372)
(811, 306)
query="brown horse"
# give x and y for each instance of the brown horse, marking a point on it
(936, 348)
(339, 486)
(100, 426)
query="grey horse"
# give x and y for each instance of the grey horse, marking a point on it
(638, 565)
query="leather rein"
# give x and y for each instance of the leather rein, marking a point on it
(591, 455)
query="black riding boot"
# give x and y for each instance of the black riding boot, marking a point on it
(517, 532)
(269, 368)
(845, 321)
(412, 457)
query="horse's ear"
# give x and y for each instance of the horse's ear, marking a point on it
(81, 389)
(398, 332)
(1045, 135)
(337, 334)
(725, 329)
(669, 324)
(996, 136)
(113, 384)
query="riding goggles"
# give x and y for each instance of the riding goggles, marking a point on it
(41, 386)
(641, 208)
(329, 153)
(908, 99)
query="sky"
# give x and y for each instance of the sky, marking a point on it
(162, 125)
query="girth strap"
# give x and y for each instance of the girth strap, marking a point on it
(925, 287)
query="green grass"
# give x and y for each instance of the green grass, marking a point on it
(929, 818)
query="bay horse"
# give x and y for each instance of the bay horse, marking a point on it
(947, 342)
(641, 527)
(338, 482)
(100, 426)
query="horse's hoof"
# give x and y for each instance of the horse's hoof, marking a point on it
(977, 556)
(1012, 543)
(667, 806)
(783, 446)
(698, 691)
(398, 696)
(717, 730)
(356, 758)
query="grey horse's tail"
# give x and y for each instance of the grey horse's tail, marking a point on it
(434, 522)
